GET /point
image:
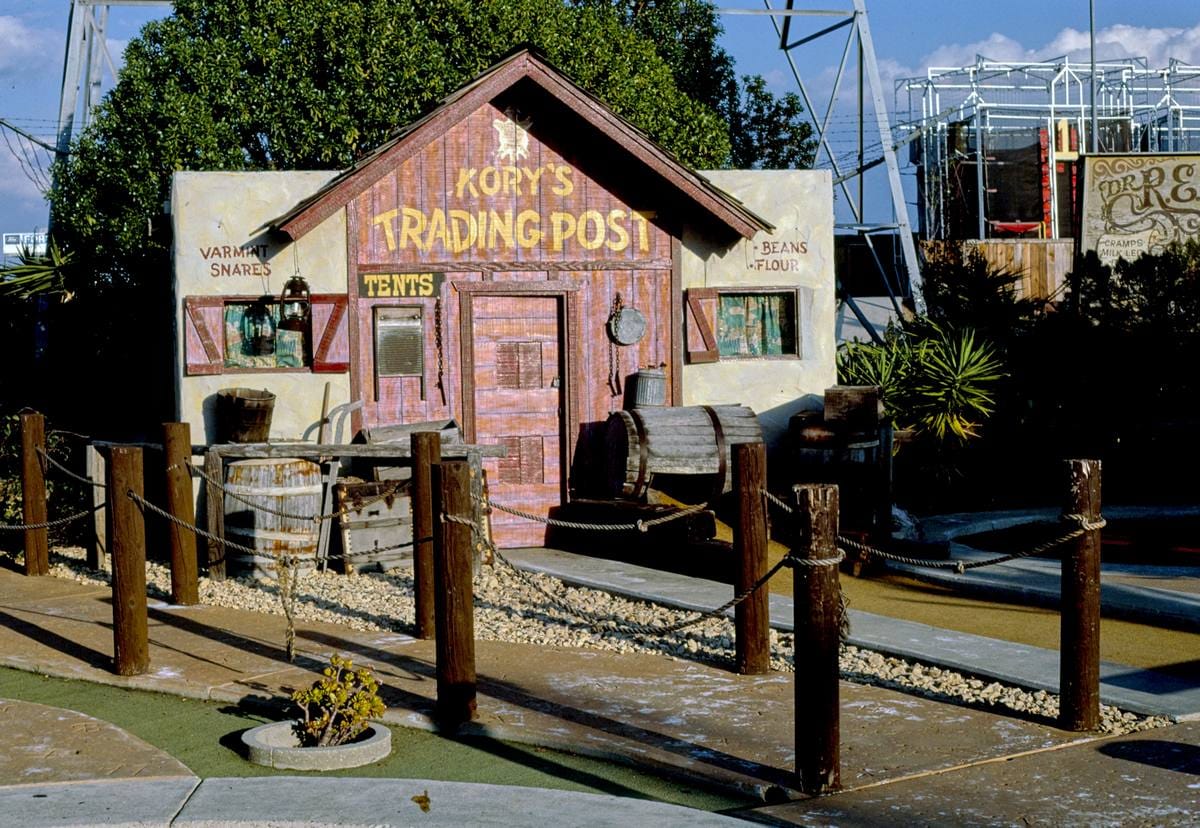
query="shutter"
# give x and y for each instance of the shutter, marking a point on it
(700, 319)
(331, 338)
(204, 335)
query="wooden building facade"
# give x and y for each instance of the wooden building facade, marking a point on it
(490, 250)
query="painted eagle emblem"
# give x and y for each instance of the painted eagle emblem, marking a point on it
(513, 138)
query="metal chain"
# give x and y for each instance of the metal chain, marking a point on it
(45, 456)
(639, 526)
(437, 342)
(612, 623)
(47, 524)
(1084, 526)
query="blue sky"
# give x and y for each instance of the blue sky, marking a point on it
(909, 35)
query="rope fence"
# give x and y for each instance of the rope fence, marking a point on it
(1083, 526)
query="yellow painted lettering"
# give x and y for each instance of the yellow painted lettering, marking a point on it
(465, 183)
(512, 180)
(489, 180)
(426, 282)
(437, 229)
(526, 236)
(619, 236)
(386, 220)
(501, 224)
(383, 285)
(642, 219)
(591, 219)
(412, 225)
(533, 176)
(481, 223)
(563, 228)
(462, 230)
(565, 186)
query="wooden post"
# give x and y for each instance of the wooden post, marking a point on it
(817, 621)
(97, 539)
(426, 452)
(1079, 655)
(752, 617)
(128, 544)
(33, 494)
(214, 499)
(177, 453)
(453, 594)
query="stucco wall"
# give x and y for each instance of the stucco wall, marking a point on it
(220, 221)
(800, 205)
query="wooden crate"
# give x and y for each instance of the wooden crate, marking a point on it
(376, 525)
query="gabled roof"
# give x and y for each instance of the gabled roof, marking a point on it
(522, 65)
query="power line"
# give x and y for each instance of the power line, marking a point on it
(33, 139)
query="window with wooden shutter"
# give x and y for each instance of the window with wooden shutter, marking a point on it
(747, 323)
(701, 317)
(204, 339)
(206, 350)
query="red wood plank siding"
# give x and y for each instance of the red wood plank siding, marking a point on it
(501, 218)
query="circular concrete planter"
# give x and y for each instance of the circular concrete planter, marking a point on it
(276, 746)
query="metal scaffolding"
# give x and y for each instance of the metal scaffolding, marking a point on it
(959, 119)
(871, 104)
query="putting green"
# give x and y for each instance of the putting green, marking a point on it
(204, 736)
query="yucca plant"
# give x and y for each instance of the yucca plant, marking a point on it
(35, 275)
(950, 383)
(933, 380)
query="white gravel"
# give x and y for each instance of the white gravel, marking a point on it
(507, 609)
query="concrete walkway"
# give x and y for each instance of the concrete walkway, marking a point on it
(1141, 691)
(904, 759)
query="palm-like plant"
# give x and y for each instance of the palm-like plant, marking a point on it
(38, 275)
(950, 381)
(933, 380)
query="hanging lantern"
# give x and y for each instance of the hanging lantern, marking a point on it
(258, 328)
(294, 303)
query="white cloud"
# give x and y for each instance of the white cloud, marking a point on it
(1157, 45)
(24, 49)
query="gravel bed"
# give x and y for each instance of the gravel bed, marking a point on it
(509, 608)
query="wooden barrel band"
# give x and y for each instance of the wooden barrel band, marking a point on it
(719, 434)
(643, 452)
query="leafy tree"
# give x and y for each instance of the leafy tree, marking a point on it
(303, 84)
(765, 132)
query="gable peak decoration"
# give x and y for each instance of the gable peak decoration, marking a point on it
(512, 135)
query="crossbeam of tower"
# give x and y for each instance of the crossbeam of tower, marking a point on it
(854, 23)
(84, 64)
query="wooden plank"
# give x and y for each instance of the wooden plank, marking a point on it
(385, 450)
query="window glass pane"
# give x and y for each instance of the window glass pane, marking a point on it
(399, 342)
(253, 338)
(756, 324)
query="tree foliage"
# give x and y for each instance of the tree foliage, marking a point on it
(313, 84)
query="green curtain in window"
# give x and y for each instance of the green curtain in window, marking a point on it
(751, 324)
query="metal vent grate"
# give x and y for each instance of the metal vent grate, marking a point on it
(399, 342)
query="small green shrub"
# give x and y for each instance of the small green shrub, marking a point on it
(933, 380)
(338, 706)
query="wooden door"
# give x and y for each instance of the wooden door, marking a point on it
(518, 402)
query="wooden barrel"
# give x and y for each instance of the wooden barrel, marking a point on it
(281, 484)
(688, 440)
